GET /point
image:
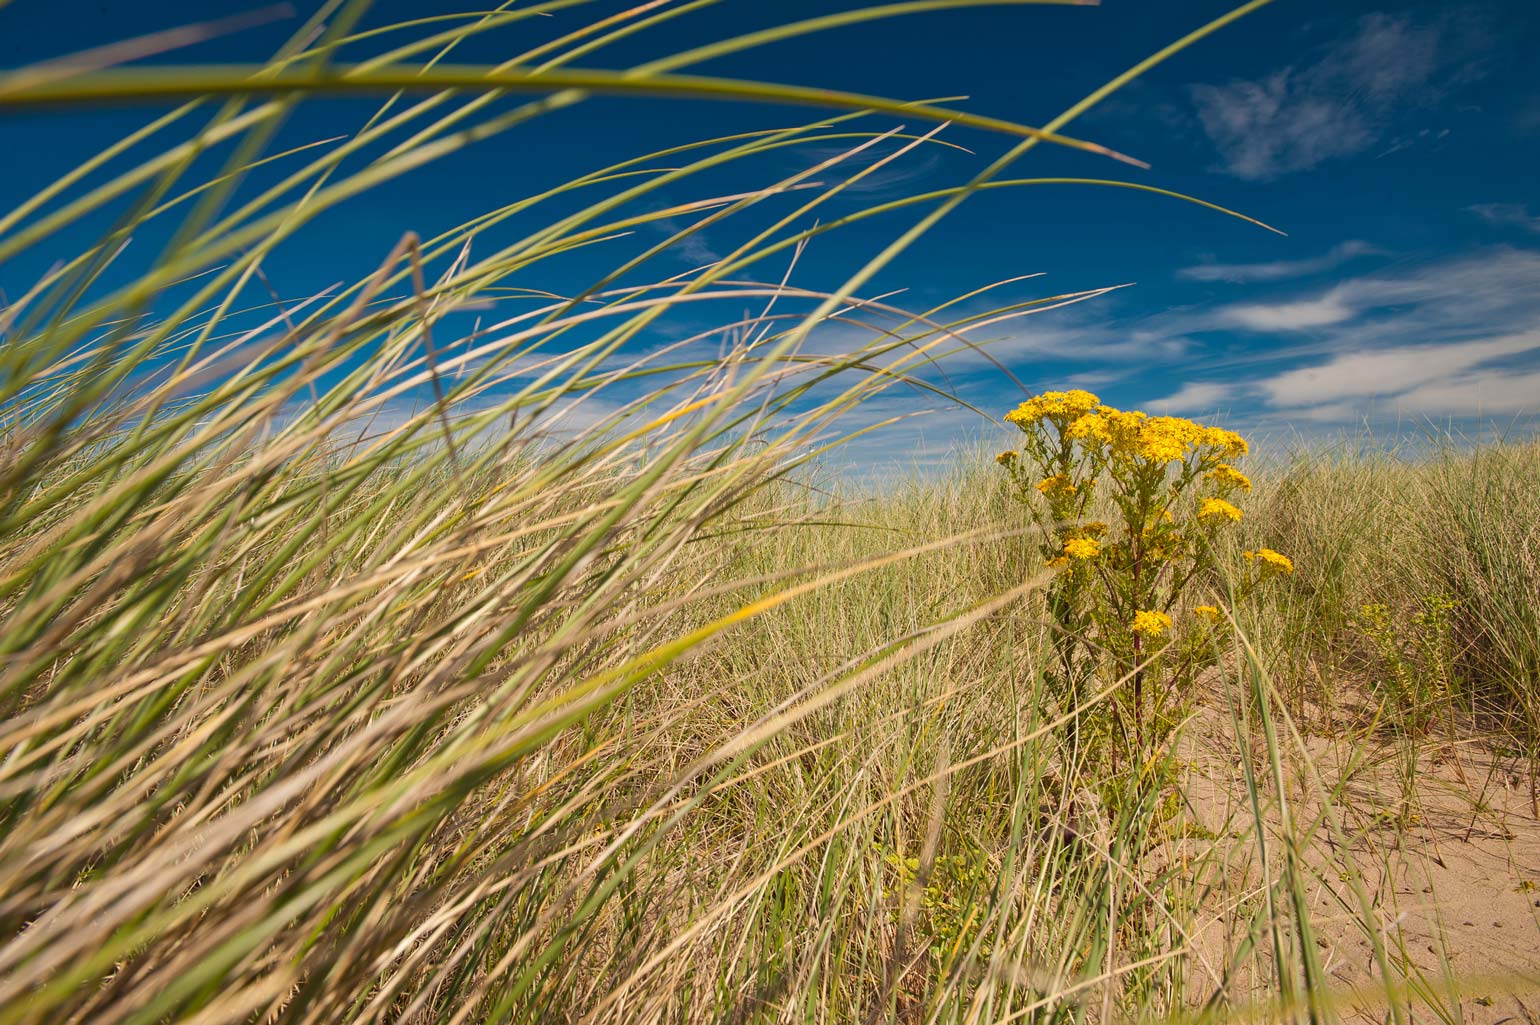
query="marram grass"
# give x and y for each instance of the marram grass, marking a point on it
(416, 651)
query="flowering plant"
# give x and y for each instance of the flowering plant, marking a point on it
(1169, 486)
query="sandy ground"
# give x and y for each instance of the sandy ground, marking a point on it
(1447, 865)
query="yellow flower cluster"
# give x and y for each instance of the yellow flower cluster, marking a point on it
(1057, 486)
(1218, 509)
(1128, 433)
(1270, 561)
(1228, 477)
(1082, 548)
(1006, 458)
(1166, 439)
(1052, 405)
(1151, 624)
(1227, 442)
(1092, 426)
(1208, 612)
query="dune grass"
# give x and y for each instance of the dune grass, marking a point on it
(1421, 576)
(360, 663)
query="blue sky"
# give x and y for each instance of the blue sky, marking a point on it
(1395, 144)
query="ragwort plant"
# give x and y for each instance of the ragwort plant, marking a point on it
(1120, 603)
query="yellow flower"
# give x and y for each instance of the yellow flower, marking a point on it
(1057, 486)
(1058, 405)
(1094, 528)
(1208, 612)
(1151, 624)
(1058, 563)
(1227, 442)
(1228, 477)
(1006, 458)
(1165, 439)
(1076, 403)
(1091, 427)
(1271, 562)
(1082, 547)
(1120, 430)
(1218, 508)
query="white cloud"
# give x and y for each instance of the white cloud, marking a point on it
(1264, 129)
(694, 249)
(1279, 270)
(1394, 371)
(1345, 101)
(887, 182)
(928, 439)
(1478, 295)
(1291, 316)
(1486, 393)
(1194, 396)
(1506, 214)
(1456, 337)
(1094, 378)
(1075, 331)
(1479, 393)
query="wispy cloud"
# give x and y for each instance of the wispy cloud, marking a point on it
(1094, 378)
(1507, 215)
(1481, 393)
(1280, 270)
(1394, 371)
(889, 181)
(1194, 396)
(694, 249)
(1479, 294)
(1291, 316)
(1086, 334)
(1345, 101)
(1458, 337)
(928, 439)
